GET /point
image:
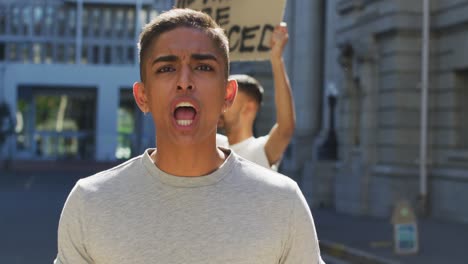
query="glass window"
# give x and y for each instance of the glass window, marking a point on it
(85, 22)
(48, 53)
(61, 22)
(96, 23)
(72, 21)
(144, 17)
(461, 89)
(3, 12)
(60, 53)
(71, 54)
(126, 125)
(64, 125)
(96, 54)
(130, 55)
(15, 20)
(119, 55)
(37, 20)
(107, 23)
(12, 52)
(119, 17)
(49, 20)
(25, 51)
(130, 23)
(22, 120)
(84, 54)
(37, 53)
(107, 55)
(26, 20)
(153, 14)
(2, 51)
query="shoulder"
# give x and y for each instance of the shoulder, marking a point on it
(266, 179)
(116, 178)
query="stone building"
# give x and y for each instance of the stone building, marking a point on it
(375, 61)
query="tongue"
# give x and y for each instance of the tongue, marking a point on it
(184, 113)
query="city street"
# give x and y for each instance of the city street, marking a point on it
(30, 208)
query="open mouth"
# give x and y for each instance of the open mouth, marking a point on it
(184, 113)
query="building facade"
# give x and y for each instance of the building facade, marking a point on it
(66, 73)
(376, 64)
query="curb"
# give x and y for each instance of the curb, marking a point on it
(352, 255)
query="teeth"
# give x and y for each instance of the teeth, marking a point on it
(184, 104)
(184, 122)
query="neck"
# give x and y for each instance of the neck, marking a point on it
(239, 134)
(188, 160)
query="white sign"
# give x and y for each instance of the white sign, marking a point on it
(247, 23)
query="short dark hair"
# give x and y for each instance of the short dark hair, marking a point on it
(176, 18)
(250, 86)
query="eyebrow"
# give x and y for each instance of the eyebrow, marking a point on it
(196, 56)
(167, 58)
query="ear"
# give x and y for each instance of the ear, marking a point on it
(140, 96)
(231, 92)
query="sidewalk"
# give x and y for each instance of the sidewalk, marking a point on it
(359, 239)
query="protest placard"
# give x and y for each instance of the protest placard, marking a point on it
(248, 24)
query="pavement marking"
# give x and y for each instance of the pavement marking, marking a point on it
(352, 255)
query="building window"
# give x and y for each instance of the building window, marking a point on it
(49, 21)
(96, 52)
(71, 21)
(461, 91)
(85, 22)
(61, 22)
(144, 17)
(26, 20)
(57, 123)
(119, 56)
(3, 13)
(84, 54)
(118, 23)
(107, 55)
(60, 53)
(38, 20)
(130, 23)
(48, 53)
(37, 53)
(96, 22)
(15, 20)
(127, 125)
(2, 51)
(25, 51)
(12, 52)
(71, 54)
(130, 55)
(107, 22)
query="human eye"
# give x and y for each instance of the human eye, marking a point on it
(204, 67)
(165, 69)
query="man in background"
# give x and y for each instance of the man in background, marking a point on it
(238, 121)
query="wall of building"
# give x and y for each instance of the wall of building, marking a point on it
(379, 107)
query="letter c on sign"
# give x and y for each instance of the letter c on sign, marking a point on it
(233, 45)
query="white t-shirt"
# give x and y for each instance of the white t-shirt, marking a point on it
(136, 213)
(252, 149)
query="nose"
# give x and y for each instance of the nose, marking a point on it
(185, 82)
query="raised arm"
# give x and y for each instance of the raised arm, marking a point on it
(281, 133)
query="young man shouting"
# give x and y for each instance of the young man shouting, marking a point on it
(186, 201)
